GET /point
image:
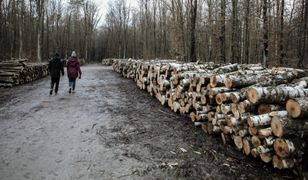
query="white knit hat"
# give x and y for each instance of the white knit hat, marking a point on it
(73, 54)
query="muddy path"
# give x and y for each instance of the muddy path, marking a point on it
(109, 129)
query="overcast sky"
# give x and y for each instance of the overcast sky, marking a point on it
(103, 7)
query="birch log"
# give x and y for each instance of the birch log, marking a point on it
(275, 94)
(297, 107)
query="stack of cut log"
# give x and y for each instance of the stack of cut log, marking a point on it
(107, 62)
(18, 71)
(246, 104)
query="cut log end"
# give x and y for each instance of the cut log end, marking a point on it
(256, 141)
(266, 157)
(281, 147)
(277, 126)
(247, 146)
(283, 163)
(293, 108)
(213, 81)
(228, 83)
(205, 128)
(235, 97)
(252, 95)
(203, 99)
(238, 142)
(219, 99)
(192, 116)
(263, 108)
(254, 153)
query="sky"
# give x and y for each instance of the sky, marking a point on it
(103, 7)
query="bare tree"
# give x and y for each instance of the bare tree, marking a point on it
(235, 31)
(281, 51)
(40, 20)
(247, 32)
(222, 37)
(265, 33)
(304, 37)
(21, 27)
(193, 16)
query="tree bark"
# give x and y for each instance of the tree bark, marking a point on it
(281, 50)
(303, 48)
(222, 36)
(274, 95)
(265, 33)
(247, 31)
(235, 30)
(193, 17)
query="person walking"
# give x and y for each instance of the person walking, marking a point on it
(55, 68)
(73, 71)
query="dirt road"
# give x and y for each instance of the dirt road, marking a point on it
(109, 129)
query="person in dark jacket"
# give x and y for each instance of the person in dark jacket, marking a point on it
(55, 68)
(73, 71)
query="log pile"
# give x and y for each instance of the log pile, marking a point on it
(107, 62)
(19, 71)
(261, 111)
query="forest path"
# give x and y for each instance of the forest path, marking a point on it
(108, 129)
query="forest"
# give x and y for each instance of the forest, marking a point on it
(271, 32)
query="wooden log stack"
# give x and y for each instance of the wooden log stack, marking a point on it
(263, 112)
(107, 62)
(19, 71)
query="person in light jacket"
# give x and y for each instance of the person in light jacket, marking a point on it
(73, 71)
(55, 68)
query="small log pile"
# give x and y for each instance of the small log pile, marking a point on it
(18, 71)
(107, 62)
(263, 112)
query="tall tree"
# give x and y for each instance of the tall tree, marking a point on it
(235, 31)
(193, 17)
(247, 32)
(304, 36)
(40, 21)
(21, 27)
(281, 51)
(222, 37)
(265, 33)
(210, 27)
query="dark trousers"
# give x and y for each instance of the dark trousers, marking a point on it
(72, 82)
(55, 80)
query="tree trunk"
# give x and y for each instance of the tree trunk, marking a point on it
(266, 157)
(281, 50)
(210, 14)
(21, 27)
(304, 38)
(222, 36)
(247, 31)
(193, 17)
(265, 33)
(40, 6)
(235, 30)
